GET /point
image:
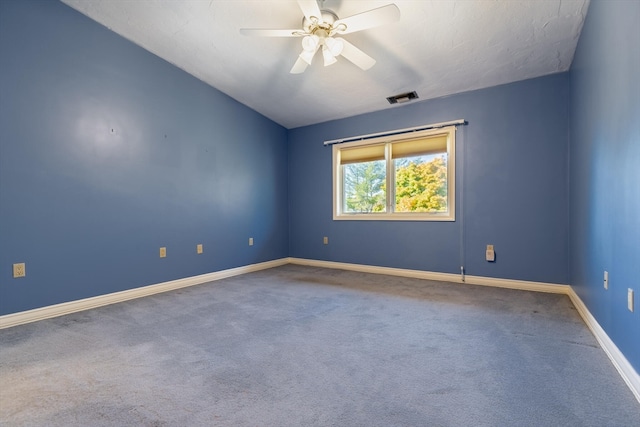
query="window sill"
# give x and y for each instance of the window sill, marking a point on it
(395, 217)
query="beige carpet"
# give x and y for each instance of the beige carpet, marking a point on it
(301, 346)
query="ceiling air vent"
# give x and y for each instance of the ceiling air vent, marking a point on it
(403, 97)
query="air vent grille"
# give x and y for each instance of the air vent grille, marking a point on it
(403, 97)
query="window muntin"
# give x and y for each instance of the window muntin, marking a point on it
(402, 177)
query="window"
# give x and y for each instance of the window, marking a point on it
(409, 176)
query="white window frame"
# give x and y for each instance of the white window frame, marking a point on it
(338, 194)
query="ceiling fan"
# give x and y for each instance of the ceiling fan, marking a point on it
(319, 28)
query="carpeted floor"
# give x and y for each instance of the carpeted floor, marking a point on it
(302, 346)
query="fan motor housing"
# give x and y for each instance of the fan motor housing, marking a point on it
(328, 18)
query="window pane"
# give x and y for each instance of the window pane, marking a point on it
(364, 187)
(421, 183)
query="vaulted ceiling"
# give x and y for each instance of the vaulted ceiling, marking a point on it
(437, 48)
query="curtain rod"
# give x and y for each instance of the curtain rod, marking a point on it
(396, 132)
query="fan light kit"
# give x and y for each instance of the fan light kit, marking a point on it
(319, 28)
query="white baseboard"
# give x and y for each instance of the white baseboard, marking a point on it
(416, 274)
(626, 371)
(14, 319)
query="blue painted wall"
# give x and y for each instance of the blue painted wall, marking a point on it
(605, 169)
(108, 153)
(511, 187)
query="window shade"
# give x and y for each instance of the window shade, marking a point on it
(362, 154)
(419, 147)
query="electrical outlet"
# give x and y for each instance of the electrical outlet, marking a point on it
(606, 280)
(325, 240)
(163, 252)
(490, 255)
(630, 299)
(250, 241)
(199, 248)
(19, 270)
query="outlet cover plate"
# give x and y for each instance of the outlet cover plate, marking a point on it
(19, 270)
(490, 255)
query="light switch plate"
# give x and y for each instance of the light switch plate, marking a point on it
(630, 299)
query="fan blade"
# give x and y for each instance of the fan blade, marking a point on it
(299, 66)
(310, 8)
(369, 19)
(355, 55)
(265, 32)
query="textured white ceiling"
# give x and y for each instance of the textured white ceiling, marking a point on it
(439, 47)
